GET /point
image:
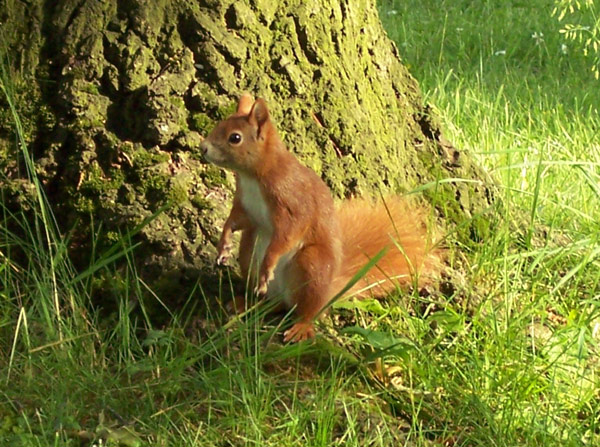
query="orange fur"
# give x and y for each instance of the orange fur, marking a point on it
(294, 241)
(397, 225)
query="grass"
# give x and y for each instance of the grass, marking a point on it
(509, 357)
(511, 91)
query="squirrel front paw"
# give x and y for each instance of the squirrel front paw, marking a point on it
(223, 254)
(263, 282)
(223, 258)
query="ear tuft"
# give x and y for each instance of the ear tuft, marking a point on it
(259, 114)
(245, 104)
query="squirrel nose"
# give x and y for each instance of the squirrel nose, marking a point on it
(204, 147)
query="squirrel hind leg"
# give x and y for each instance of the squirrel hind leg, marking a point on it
(309, 278)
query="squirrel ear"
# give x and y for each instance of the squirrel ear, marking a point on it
(259, 114)
(245, 104)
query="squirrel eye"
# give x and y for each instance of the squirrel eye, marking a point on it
(235, 138)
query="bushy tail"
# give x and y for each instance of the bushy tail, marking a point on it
(412, 256)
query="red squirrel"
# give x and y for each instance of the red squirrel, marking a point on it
(294, 242)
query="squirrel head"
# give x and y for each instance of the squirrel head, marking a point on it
(241, 141)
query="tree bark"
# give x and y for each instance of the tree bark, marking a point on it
(123, 91)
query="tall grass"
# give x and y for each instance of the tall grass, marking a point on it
(511, 91)
(34, 261)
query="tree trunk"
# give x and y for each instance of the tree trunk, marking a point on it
(124, 90)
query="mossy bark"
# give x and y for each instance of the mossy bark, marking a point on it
(123, 91)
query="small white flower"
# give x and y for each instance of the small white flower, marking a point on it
(458, 30)
(500, 53)
(392, 12)
(563, 49)
(538, 37)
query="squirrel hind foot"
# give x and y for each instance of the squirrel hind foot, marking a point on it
(303, 330)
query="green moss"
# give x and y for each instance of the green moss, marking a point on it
(201, 203)
(226, 111)
(214, 177)
(97, 182)
(34, 114)
(178, 194)
(201, 122)
(84, 205)
(87, 123)
(143, 158)
(156, 182)
(179, 187)
(177, 102)
(128, 148)
(117, 178)
(90, 88)
(182, 125)
(140, 64)
(89, 107)
(204, 96)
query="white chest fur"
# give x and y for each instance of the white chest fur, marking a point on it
(256, 208)
(254, 204)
